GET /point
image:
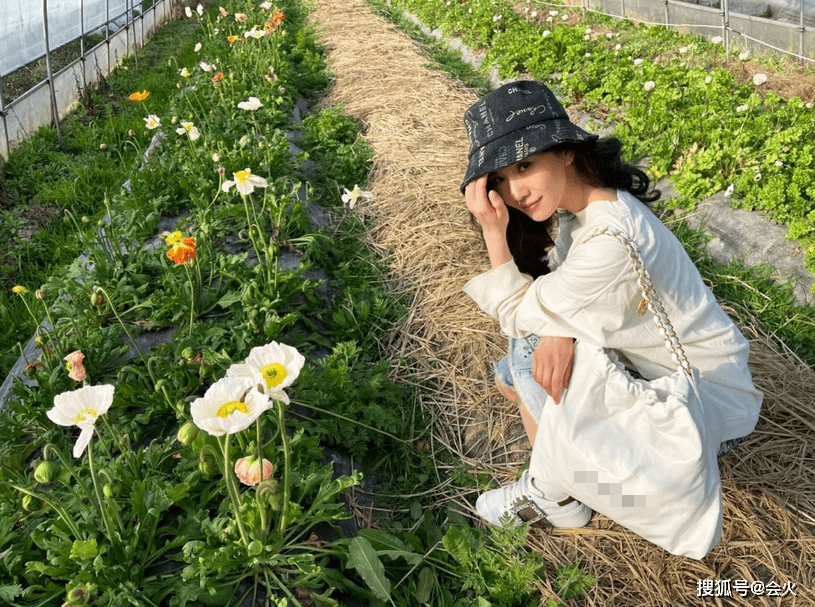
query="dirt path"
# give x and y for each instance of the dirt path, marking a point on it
(413, 122)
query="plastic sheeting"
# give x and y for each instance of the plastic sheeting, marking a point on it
(22, 38)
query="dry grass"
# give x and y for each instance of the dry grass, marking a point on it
(413, 122)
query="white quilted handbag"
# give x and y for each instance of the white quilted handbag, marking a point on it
(633, 450)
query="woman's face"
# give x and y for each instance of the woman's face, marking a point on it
(537, 185)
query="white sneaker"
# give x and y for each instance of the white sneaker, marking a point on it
(525, 503)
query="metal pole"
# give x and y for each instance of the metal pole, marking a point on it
(54, 108)
(726, 28)
(622, 9)
(583, 5)
(5, 126)
(82, 43)
(107, 32)
(666, 14)
(801, 27)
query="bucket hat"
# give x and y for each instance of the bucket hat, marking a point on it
(513, 122)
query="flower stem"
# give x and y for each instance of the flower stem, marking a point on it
(98, 492)
(286, 466)
(55, 505)
(260, 504)
(229, 477)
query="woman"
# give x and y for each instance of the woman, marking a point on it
(528, 163)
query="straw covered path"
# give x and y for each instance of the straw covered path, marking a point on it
(412, 117)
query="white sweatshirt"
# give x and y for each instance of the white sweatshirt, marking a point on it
(592, 294)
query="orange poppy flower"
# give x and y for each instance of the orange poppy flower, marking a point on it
(218, 76)
(183, 249)
(231, 38)
(139, 96)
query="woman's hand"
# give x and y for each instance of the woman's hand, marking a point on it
(552, 364)
(487, 206)
(492, 214)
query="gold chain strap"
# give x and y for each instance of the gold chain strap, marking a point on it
(650, 299)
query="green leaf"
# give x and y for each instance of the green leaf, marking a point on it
(364, 559)
(232, 297)
(425, 585)
(410, 557)
(9, 593)
(84, 549)
(456, 544)
(382, 540)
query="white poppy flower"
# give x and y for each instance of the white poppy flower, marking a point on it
(230, 405)
(279, 365)
(185, 73)
(587, 55)
(553, 13)
(350, 197)
(649, 86)
(188, 11)
(496, 18)
(254, 33)
(152, 122)
(253, 103)
(638, 61)
(200, 10)
(716, 40)
(778, 163)
(533, 14)
(206, 66)
(709, 79)
(197, 47)
(81, 408)
(617, 47)
(742, 108)
(564, 17)
(189, 129)
(265, 5)
(587, 37)
(546, 33)
(743, 56)
(683, 49)
(759, 79)
(729, 191)
(757, 177)
(244, 182)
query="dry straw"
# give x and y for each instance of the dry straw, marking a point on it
(412, 116)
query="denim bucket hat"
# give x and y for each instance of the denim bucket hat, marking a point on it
(513, 122)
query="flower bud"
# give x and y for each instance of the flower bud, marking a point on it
(40, 294)
(174, 120)
(217, 157)
(112, 490)
(221, 171)
(248, 470)
(103, 146)
(131, 133)
(207, 466)
(254, 548)
(46, 472)
(29, 503)
(188, 353)
(78, 597)
(276, 501)
(86, 219)
(187, 433)
(96, 299)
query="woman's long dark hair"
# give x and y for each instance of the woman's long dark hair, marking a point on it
(599, 164)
